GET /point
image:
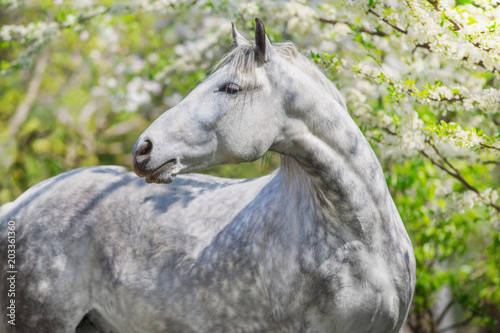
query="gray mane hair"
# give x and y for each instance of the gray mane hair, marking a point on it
(242, 64)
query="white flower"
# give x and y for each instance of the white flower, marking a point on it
(84, 35)
(138, 93)
(70, 20)
(137, 63)
(469, 199)
(153, 57)
(81, 3)
(153, 87)
(95, 54)
(108, 36)
(111, 83)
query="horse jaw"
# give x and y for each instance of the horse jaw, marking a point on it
(163, 165)
(166, 173)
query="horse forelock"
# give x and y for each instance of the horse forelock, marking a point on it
(242, 64)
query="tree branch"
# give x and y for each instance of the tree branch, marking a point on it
(84, 19)
(387, 21)
(456, 25)
(445, 311)
(484, 8)
(488, 146)
(388, 130)
(413, 91)
(455, 173)
(444, 158)
(459, 324)
(353, 27)
(23, 109)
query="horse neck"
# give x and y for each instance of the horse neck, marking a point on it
(334, 161)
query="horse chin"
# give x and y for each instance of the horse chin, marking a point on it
(162, 179)
(165, 174)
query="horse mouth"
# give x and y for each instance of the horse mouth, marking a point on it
(165, 173)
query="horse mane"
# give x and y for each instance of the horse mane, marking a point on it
(242, 64)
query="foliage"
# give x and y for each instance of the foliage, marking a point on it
(80, 80)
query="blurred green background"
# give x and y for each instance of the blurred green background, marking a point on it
(81, 80)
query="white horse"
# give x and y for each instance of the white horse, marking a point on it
(317, 246)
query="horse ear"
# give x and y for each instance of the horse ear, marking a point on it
(238, 39)
(263, 46)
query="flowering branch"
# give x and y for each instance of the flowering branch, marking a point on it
(38, 36)
(453, 172)
(456, 25)
(84, 18)
(46, 32)
(488, 146)
(488, 100)
(395, 27)
(353, 27)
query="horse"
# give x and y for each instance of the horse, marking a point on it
(316, 246)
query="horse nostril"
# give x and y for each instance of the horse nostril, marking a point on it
(144, 148)
(141, 157)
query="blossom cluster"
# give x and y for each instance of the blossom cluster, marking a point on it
(470, 199)
(34, 35)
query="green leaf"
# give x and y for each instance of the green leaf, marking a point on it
(471, 20)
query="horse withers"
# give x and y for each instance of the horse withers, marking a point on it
(317, 246)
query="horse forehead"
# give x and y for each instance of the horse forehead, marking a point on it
(255, 73)
(222, 73)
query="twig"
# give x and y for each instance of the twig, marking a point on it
(412, 91)
(424, 46)
(387, 21)
(483, 8)
(22, 110)
(455, 174)
(451, 173)
(443, 157)
(431, 319)
(388, 130)
(445, 311)
(33, 87)
(459, 324)
(353, 27)
(488, 146)
(480, 63)
(83, 19)
(456, 25)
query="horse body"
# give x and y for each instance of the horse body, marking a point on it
(317, 246)
(164, 258)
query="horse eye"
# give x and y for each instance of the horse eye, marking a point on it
(230, 88)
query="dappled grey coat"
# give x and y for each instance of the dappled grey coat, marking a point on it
(317, 246)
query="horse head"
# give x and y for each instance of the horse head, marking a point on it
(232, 117)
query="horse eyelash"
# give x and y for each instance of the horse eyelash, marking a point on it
(230, 88)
